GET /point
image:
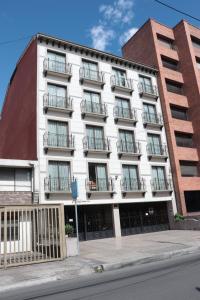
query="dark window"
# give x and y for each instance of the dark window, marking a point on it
(189, 169)
(184, 140)
(198, 62)
(179, 112)
(174, 87)
(195, 42)
(169, 63)
(192, 201)
(166, 42)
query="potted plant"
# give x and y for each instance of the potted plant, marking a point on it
(71, 241)
(69, 230)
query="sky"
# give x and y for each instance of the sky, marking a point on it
(102, 24)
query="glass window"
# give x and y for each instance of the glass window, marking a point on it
(56, 62)
(198, 62)
(169, 63)
(90, 70)
(123, 108)
(150, 114)
(166, 42)
(95, 137)
(59, 175)
(57, 134)
(127, 141)
(92, 102)
(98, 180)
(159, 178)
(179, 112)
(130, 177)
(120, 77)
(146, 84)
(195, 42)
(184, 140)
(189, 169)
(174, 87)
(57, 95)
(154, 143)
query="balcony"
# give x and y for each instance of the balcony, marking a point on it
(100, 186)
(128, 149)
(57, 68)
(161, 185)
(91, 77)
(58, 142)
(60, 185)
(157, 151)
(96, 146)
(125, 115)
(94, 110)
(133, 186)
(121, 84)
(152, 120)
(149, 91)
(58, 103)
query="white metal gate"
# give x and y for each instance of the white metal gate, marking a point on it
(31, 234)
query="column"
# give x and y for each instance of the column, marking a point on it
(116, 220)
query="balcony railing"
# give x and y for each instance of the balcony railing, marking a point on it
(57, 184)
(54, 66)
(91, 75)
(92, 108)
(152, 119)
(121, 83)
(157, 150)
(161, 185)
(126, 114)
(133, 185)
(99, 185)
(129, 148)
(91, 144)
(148, 90)
(57, 102)
(58, 141)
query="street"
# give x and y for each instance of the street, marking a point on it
(170, 279)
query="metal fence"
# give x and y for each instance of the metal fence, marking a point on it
(31, 234)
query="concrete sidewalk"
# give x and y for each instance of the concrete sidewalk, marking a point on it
(111, 253)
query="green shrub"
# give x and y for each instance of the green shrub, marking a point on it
(179, 217)
(69, 229)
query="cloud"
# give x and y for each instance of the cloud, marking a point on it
(127, 35)
(101, 37)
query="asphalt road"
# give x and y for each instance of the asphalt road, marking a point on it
(172, 279)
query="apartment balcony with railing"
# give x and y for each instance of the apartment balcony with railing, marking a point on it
(58, 103)
(91, 77)
(100, 186)
(127, 149)
(57, 185)
(133, 185)
(149, 91)
(161, 185)
(57, 68)
(121, 84)
(157, 151)
(125, 115)
(152, 120)
(58, 142)
(95, 145)
(92, 109)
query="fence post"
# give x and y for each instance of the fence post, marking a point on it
(5, 238)
(63, 250)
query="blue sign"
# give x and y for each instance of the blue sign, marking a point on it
(74, 189)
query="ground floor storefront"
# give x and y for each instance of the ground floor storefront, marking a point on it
(104, 221)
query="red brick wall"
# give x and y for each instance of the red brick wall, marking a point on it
(18, 119)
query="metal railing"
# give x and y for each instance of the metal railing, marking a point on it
(133, 184)
(121, 82)
(94, 108)
(57, 184)
(31, 234)
(148, 89)
(55, 101)
(99, 144)
(58, 140)
(128, 147)
(124, 113)
(161, 184)
(153, 149)
(152, 118)
(99, 185)
(92, 75)
(57, 66)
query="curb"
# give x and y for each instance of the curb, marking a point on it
(148, 259)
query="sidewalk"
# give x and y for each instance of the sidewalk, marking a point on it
(110, 253)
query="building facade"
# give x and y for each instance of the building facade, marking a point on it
(175, 52)
(96, 117)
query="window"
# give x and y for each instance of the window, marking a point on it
(146, 84)
(92, 102)
(90, 70)
(174, 87)
(59, 176)
(195, 42)
(198, 62)
(58, 134)
(98, 180)
(12, 179)
(192, 201)
(56, 62)
(95, 137)
(159, 178)
(120, 77)
(169, 63)
(189, 169)
(184, 140)
(130, 177)
(154, 144)
(178, 112)
(166, 42)
(123, 108)
(127, 141)
(150, 114)
(56, 95)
